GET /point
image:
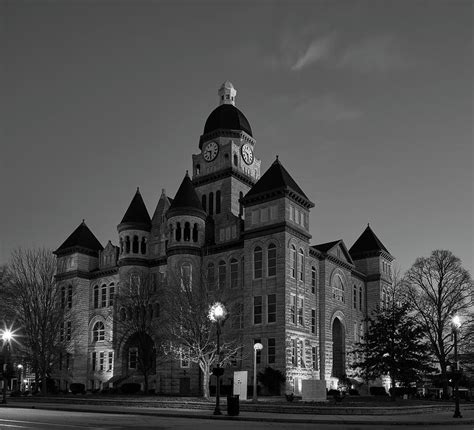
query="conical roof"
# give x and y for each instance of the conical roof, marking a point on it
(276, 178)
(186, 199)
(137, 213)
(366, 243)
(82, 238)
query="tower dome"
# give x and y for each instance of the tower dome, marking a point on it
(226, 116)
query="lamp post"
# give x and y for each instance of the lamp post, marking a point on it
(256, 347)
(217, 314)
(6, 339)
(456, 324)
(20, 376)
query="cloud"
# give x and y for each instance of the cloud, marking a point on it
(326, 108)
(376, 54)
(317, 50)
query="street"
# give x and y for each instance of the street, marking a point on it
(15, 418)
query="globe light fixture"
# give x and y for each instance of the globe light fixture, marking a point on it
(256, 347)
(456, 324)
(217, 314)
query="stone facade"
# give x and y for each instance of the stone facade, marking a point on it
(305, 303)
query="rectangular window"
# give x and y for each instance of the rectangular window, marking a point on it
(234, 274)
(94, 360)
(132, 358)
(272, 260)
(258, 263)
(259, 352)
(360, 298)
(313, 321)
(227, 233)
(110, 365)
(237, 316)
(264, 214)
(101, 361)
(271, 308)
(314, 357)
(222, 234)
(293, 309)
(271, 350)
(294, 347)
(69, 297)
(300, 311)
(313, 280)
(234, 232)
(184, 362)
(257, 310)
(68, 331)
(354, 298)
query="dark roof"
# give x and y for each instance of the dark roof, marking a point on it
(275, 178)
(137, 212)
(186, 197)
(81, 237)
(227, 117)
(325, 247)
(367, 242)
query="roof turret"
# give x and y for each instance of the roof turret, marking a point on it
(137, 215)
(274, 181)
(186, 201)
(367, 243)
(80, 240)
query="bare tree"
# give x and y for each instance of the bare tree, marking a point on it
(138, 321)
(32, 292)
(438, 287)
(191, 333)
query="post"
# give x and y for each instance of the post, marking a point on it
(217, 410)
(457, 412)
(5, 369)
(256, 347)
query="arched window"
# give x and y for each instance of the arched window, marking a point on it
(241, 206)
(198, 169)
(211, 276)
(121, 246)
(293, 261)
(143, 245)
(127, 244)
(313, 279)
(236, 160)
(186, 276)
(135, 245)
(178, 232)
(257, 263)
(338, 288)
(218, 202)
(204, 202)
(96, 297)
(195, 233)
(103, 300)
(234, 273)
(187, 232)
(222, 274)
(211, 203)
(271, 259)
(301, 265)
(360, 298)
(98, 332)
(354, 297)
(63, 296)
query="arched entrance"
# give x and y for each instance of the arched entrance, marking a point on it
(338, 349)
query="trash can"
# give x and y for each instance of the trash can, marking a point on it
(232, 405)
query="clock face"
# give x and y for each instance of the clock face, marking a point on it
(247, 153)
(210, 151)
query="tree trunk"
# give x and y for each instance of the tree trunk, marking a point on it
(44, 387)
(205, 382)
(392, 395)
(145, 382)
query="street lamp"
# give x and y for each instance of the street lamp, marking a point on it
(20, 376)
(456, 323)
(7, 336)
(217, 314)
(256, 347)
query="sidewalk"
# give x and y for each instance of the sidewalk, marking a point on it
(444, 418)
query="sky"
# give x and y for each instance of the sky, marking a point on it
(368, 104)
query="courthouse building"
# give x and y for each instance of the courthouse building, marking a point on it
(249, 231)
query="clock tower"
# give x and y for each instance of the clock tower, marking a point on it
(226, 167)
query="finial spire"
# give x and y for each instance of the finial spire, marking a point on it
(187, 173)
(227, 94)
